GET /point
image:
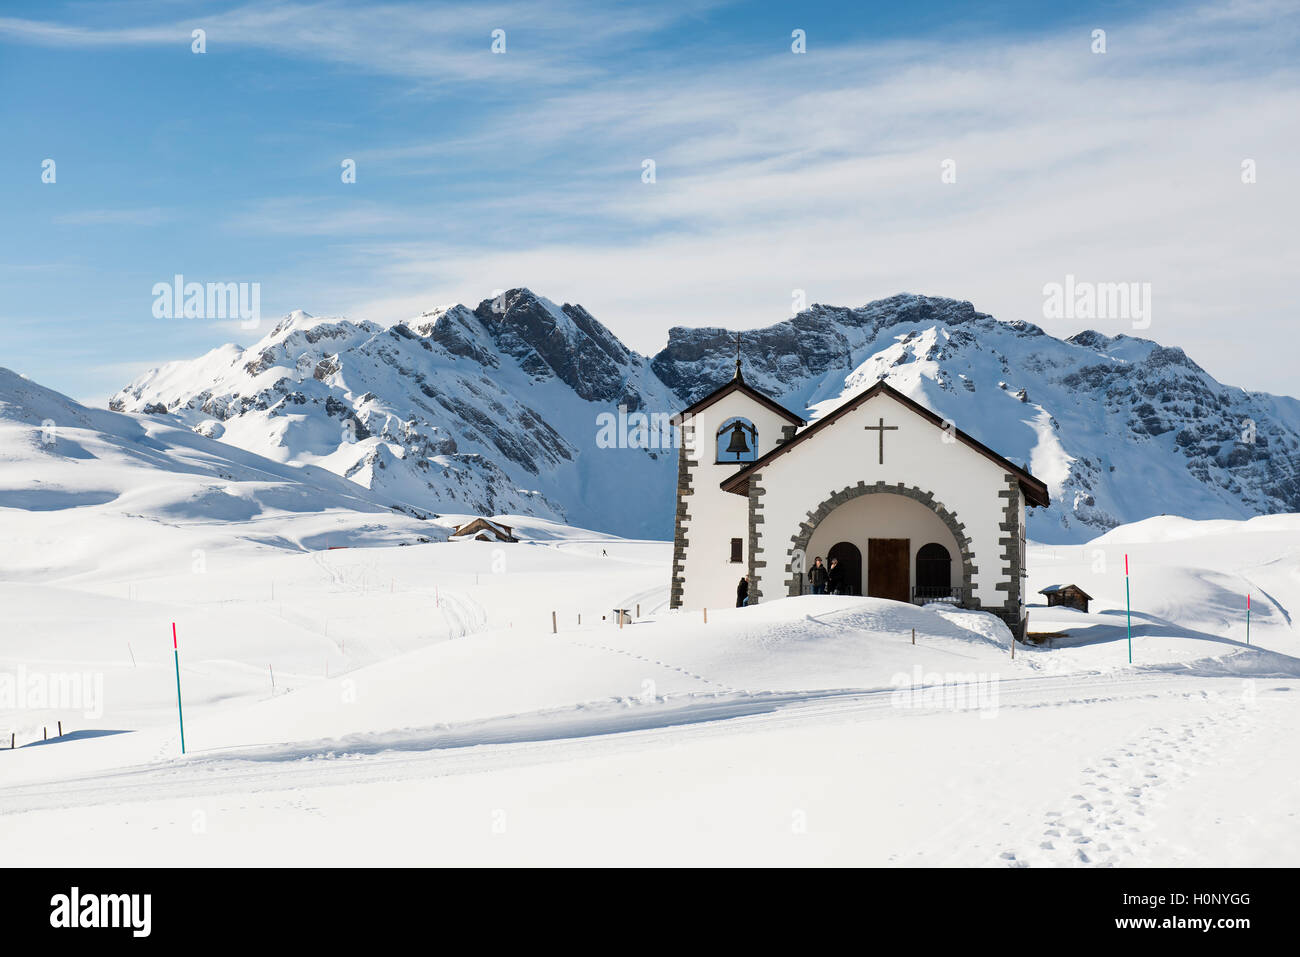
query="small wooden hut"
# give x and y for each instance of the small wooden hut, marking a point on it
(483, 530)
(1070, 595)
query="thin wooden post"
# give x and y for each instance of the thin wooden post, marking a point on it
(913, 636)
(580, 618)
(706, 616)
(638, 609)
(619, 612)
(45, 734)
(60, 729)
(555, 629)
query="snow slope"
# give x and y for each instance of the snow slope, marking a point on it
(409, 704)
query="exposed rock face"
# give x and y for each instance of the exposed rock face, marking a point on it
(1120, 428)
(493, 409)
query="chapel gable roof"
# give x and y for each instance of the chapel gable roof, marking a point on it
(1034, 490)
(737, 384)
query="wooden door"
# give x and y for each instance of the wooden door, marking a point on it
(889, 568)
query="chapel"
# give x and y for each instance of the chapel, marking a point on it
(912, 508)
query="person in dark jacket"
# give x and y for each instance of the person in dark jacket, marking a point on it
(742, 592)
(835, 577)
(818, 576)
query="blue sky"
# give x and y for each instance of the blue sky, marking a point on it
(774, 171)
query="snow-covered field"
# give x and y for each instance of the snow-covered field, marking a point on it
(359, 690)
(424, 713)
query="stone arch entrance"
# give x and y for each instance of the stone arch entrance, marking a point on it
(963, 578)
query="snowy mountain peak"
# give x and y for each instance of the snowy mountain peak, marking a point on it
(1121, 428)
(489, 410)
(493, 408)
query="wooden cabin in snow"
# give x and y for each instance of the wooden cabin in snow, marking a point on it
(1070, 595)
(483, 530)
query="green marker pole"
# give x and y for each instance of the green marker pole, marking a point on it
(179, 711)
(1128, 604)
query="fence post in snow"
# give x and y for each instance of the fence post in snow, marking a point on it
(706, 616)
(555, 629)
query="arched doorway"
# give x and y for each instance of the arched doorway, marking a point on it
(849, 567)
(864, 512)
(933, 572)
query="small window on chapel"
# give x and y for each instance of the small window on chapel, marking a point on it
(736, 550)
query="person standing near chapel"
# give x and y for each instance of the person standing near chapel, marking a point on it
(817, 576)
(742, 592)
(835, 577)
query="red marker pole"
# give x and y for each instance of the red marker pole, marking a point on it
(1128, 604)
(176, 652)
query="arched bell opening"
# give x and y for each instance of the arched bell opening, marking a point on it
(737, 441)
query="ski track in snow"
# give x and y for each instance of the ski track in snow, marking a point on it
(563, 734)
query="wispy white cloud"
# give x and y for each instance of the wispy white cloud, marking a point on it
(822, 173)
(150, 216)
(549, 43)
(818, 172)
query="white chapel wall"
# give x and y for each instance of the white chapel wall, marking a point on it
(959, 477)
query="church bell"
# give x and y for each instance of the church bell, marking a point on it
(737, 443)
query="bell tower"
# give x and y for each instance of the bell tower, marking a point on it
(722, 433)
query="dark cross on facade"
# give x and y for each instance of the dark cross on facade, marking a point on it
(881, 429)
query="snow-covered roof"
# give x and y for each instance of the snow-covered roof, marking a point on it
(1053, 589)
